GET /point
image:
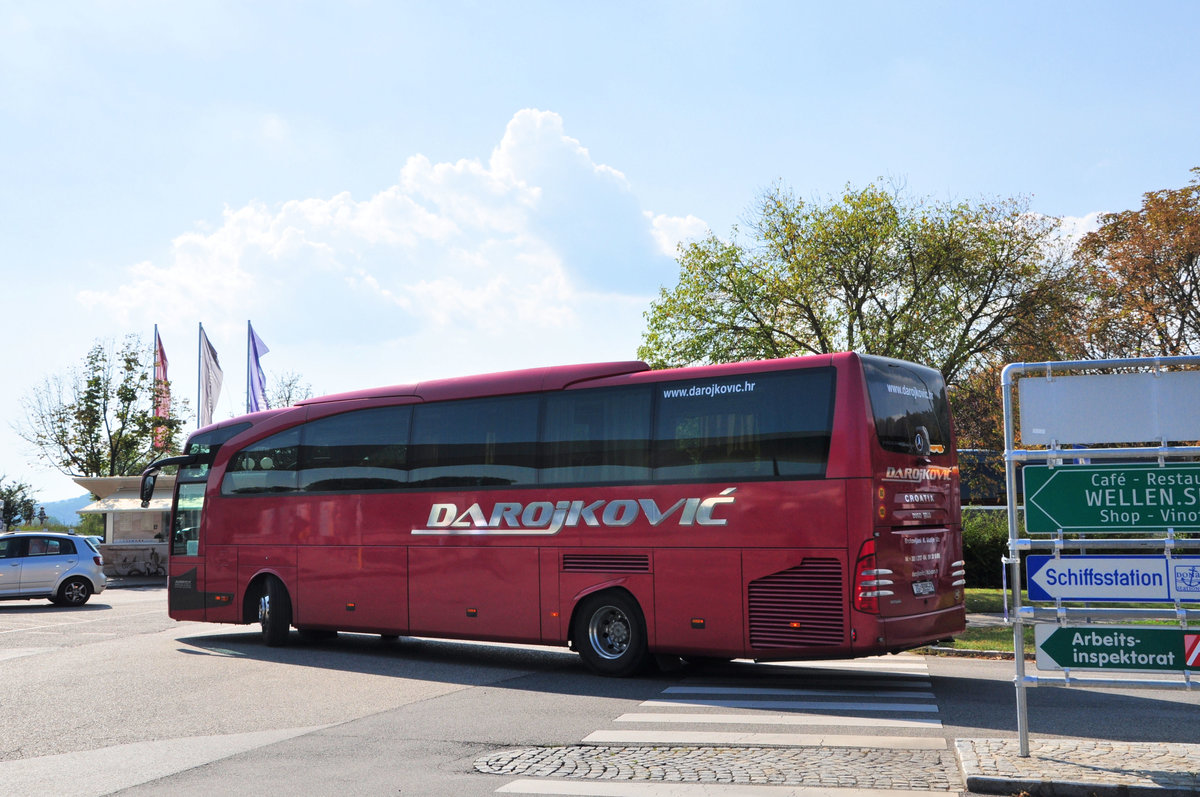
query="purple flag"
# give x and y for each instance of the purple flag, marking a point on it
(256, 381)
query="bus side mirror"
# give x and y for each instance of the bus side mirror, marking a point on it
(150, 475)
(147, 489)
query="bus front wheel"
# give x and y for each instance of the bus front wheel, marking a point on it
(610, 634)
(274, 613)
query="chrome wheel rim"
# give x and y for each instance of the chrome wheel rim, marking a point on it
(609, 632)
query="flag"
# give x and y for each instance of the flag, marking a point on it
(210, 379)
(162, 391)
(256, 381)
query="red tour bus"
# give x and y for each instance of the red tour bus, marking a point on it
(788, 509)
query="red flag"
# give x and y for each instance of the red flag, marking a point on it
(162, 391)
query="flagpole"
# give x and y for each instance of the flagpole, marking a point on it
(199, 372)
(247, 365)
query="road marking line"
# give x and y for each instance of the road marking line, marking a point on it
(16, 653)
(793, 704)
(80, 622)
(750, 739)
(874, 665)
(764, 690)
(781, 719)
(855, 680)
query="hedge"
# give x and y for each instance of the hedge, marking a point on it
(985, 544)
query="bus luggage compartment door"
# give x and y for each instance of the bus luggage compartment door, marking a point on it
(470, 592)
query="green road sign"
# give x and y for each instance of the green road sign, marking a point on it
(1136, 648)
(1116, 497)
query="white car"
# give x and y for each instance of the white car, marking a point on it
(63, 568)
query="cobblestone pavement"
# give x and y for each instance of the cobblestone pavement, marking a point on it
(830, 767)
(1072, 767)
(1054, 768)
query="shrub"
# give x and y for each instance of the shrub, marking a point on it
(985, 544)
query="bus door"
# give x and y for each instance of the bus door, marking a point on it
(185, 570)
(189, 593)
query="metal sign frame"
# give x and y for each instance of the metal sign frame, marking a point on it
(1091, 405)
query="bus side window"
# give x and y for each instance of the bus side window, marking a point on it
(597, 436)
(760, 426)
(475, 443)
(265, 466)
(356, 451)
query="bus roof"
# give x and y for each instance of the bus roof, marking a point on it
(529, 380)
(559, 377)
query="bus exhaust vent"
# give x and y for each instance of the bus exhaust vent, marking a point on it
(605, 563)
(805, 605)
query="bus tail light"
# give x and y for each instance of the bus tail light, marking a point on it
(959, 573)
(870, 581)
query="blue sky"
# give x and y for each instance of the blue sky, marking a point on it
(394, 191)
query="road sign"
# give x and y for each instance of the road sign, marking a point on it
(1114, 578)
(1112, 497)
(1137, 648)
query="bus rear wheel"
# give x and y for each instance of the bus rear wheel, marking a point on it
(274, 613)
(610, 634)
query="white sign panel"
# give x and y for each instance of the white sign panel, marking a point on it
(1092, 409)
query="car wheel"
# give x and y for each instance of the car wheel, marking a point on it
(610, 634)
(275, 613)
(73, 592)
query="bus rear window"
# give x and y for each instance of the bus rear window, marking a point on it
(912, 414)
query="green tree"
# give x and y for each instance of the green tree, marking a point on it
(940, 283)
(99, 420)
(1144, 267)
(17, 502)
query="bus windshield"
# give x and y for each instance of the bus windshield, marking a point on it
(191, 481)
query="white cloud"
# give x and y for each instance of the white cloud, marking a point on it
(1073, 228)
(671, 231)
(538, 256)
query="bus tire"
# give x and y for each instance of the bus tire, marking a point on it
(610, 634)
(274, 613)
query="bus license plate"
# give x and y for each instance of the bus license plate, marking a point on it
(923, 588)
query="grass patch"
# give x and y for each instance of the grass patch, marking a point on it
(991, 637)
(985, 600)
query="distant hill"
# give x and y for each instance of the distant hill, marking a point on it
(65, 512)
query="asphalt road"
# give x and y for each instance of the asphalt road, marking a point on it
(115, 697)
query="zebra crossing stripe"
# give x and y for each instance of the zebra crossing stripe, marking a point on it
(898, 664)
(763, 690)
(789, 718)
(793, 705)
(749, 739)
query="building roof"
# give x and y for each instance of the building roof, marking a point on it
(121, 494)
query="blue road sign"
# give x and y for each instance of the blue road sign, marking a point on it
(1114, 578)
